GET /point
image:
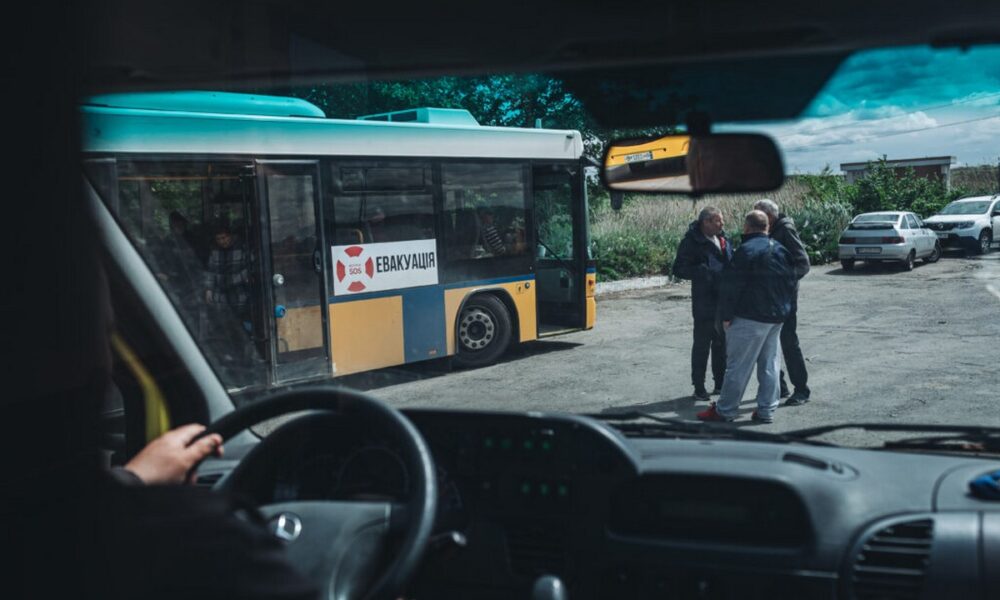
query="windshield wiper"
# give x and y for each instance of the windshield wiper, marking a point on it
(959, 438)
(630, 423)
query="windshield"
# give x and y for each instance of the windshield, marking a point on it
(447, 243)
(965, 208)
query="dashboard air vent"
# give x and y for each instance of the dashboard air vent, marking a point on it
(892, 563)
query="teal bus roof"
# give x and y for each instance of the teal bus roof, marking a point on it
(211, 102)
(160, 127)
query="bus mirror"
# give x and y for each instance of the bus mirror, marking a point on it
(681, 164)
(616, 199)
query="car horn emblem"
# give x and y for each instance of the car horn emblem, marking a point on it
(285, 526)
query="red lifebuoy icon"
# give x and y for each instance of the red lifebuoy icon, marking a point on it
(355, 269)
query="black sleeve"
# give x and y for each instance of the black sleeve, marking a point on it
(124, 476)
(182, 542)
(793, 243)
(688, 264)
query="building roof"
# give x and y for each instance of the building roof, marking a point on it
(902, 162)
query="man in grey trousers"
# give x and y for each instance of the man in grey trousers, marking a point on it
(756, 298)
(782, 230)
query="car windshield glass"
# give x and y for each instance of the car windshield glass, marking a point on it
(448, 242)
(965, 208)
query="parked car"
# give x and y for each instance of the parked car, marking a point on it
(967, 223)
(888, 236)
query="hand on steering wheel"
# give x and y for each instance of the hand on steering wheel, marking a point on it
(338, 543)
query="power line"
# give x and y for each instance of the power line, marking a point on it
(905, 114)
(885, 135)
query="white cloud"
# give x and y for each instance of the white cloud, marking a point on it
(870, 133)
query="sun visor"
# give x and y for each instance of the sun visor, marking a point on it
(760, 89)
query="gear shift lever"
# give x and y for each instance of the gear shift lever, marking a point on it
(549, 587)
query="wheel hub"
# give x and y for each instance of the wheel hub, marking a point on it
(476, 329)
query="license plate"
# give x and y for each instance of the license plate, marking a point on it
(942, 235)
(638, 156)
(868, 250)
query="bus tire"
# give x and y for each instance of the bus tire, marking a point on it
(483, 331)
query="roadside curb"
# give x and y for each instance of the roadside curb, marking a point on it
(638, 283)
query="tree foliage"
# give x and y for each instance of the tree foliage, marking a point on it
(508, 100)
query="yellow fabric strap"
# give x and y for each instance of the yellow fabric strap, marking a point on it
(157, 414)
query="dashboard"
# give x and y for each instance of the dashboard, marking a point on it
(614, 517)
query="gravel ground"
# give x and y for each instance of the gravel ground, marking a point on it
(881, 345)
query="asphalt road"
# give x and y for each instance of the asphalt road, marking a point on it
(881, 345)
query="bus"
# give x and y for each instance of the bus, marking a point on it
(297, 247)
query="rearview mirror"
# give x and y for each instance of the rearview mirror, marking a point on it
(684, 164)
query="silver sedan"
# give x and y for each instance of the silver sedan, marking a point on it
(888, 236)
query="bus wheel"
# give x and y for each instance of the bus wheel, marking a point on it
(484, 330)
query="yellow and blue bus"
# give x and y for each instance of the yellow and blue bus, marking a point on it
(296, 246)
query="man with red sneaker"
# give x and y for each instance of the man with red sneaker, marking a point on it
(756, 298)
(702, 256)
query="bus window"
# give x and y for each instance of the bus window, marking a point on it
(374, 204)
(484, 210)
(191, 221)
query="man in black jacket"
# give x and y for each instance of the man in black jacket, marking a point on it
(703, 254)
(755, 300)
(783, 231)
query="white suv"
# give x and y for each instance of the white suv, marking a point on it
(968, 223)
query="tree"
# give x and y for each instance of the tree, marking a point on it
(511, 100)
(886, 188)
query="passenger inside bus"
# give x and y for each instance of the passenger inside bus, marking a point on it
(490, 238)
(226, 317)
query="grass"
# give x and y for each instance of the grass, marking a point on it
(642, 238)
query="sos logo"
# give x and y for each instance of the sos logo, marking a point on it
(355, 268)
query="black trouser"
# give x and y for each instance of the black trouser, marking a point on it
(794, 361)
(708, 337)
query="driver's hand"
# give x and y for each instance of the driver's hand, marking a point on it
(171, 458)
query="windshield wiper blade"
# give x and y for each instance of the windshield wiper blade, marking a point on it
(959, 429)
(967, 438)
(955, 443)
(628, 421)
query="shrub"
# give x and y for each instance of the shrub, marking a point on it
(631, 254)
(819, 224)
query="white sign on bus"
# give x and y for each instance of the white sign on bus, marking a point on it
(363, 268)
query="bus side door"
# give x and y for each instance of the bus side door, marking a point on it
(293, 264)
(560, 247)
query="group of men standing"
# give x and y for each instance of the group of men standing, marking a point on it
(744, 303)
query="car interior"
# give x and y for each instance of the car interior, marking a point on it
(435, 503)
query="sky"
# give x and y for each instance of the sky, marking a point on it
(901, 103)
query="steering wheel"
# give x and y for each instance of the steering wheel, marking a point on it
(339, 543)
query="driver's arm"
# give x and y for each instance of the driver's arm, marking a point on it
(171, 458)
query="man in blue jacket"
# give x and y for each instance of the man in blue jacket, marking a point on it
(755, 300)
(701, 257)
(782, 230)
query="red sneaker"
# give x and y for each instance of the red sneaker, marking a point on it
(711, 414)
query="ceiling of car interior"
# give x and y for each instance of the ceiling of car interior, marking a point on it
(714, 55)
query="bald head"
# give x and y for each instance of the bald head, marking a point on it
(755, 222)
